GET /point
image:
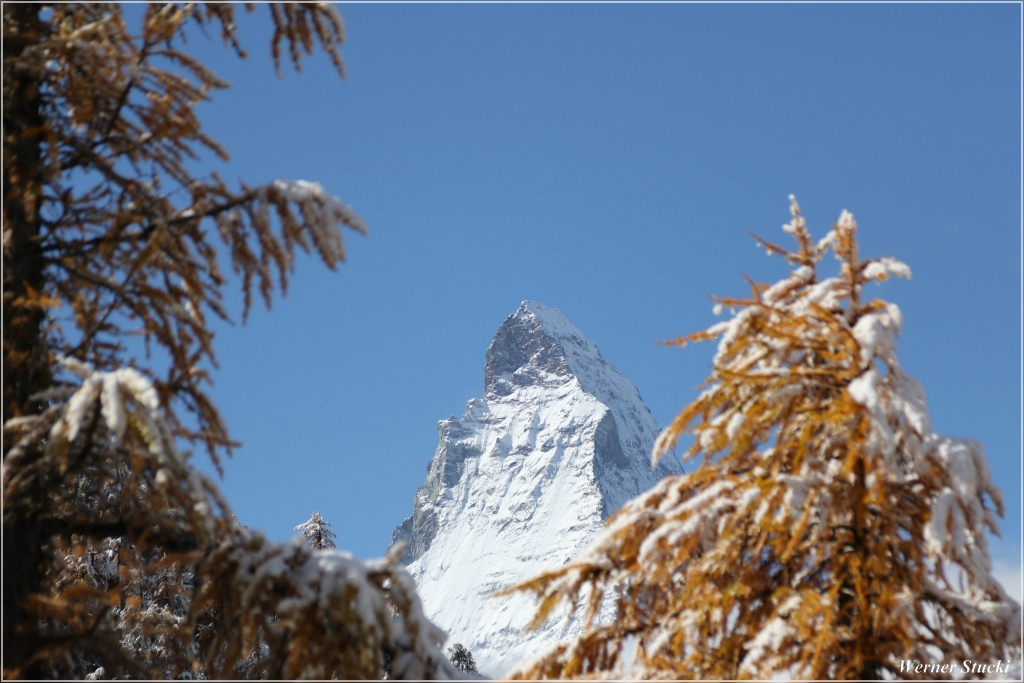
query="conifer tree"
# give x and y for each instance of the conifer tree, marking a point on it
(119, 559)
(317, 532)
(827, 531)
(462, 659)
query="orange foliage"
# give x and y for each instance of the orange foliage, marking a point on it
(116, 552)
(826, 533)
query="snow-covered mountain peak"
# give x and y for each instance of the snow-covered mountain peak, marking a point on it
(524, 481)
(537, 345)
(527, 350)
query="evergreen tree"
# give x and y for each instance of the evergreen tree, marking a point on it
(462, 659)
(119, 559)
(827, 532)
(317, 532)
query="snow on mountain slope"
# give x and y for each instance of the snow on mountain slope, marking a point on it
(523, 482)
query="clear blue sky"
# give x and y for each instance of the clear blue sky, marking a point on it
(609, 161)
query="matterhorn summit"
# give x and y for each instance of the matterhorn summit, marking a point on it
(523, 482)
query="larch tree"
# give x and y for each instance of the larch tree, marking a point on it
(827, 531)
(119, 559)
(317, 532)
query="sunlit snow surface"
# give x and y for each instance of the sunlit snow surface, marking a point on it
(523, 482)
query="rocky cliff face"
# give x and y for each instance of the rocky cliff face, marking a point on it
(524, 481)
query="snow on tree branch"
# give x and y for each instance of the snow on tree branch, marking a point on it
(827, 533)
(110, 231)
(283, 611)
(317, 532)
(324, 614)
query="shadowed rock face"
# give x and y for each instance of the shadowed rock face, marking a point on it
(443, 472)
(523, 482)
(522, 354)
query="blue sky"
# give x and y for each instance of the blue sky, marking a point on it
(609, 161)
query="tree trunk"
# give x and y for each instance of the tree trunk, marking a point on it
(25, 358)
(25, 365)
